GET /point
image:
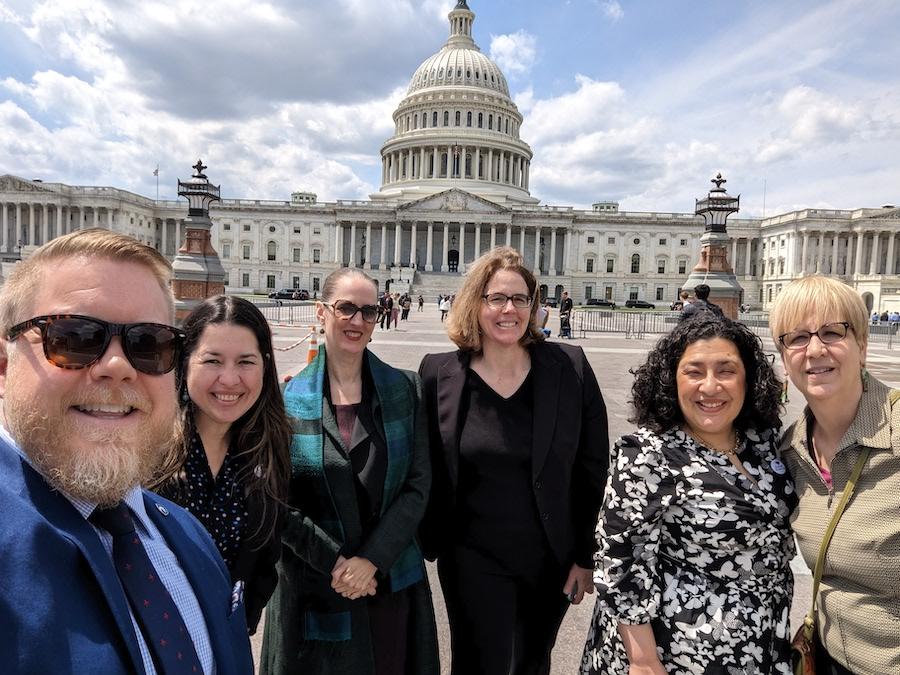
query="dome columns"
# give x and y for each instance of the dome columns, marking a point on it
(457, 161)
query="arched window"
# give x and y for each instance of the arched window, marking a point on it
(415, 121)
(446, 118)
(491, 122)
(507, 125)
(469, 118)
(589, 265)
(434, 118)
(271, 250)
(458, 117)
(480, 120)
(636, 263)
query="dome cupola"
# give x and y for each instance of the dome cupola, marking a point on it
(457, 126)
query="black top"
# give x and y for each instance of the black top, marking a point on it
(219, 502)
(497, 505)
(366, 449)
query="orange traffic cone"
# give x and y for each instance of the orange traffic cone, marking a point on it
(313, 345)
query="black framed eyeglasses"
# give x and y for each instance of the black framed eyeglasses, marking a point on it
(827, 334)
(499, 300)
(73, 341)
(347, 310)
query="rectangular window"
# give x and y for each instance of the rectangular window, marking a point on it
(608, 292)
(315, 284)
(682, 267)
(633, 293)
(226, 251)
(590, 240)
(226, 227)
(246, 251)
(270, 281)
(660, 266)
(588, 292)
(610, 265)
(683, 242)
(590, 265)
(660, 292)
(662, 241)
(245, 279)
(297, 229)
(317, 230)
(295, 282)
(296, 253)
(317, 255)
(246, 227)
(610, 240)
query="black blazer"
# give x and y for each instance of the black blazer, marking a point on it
(570, 453)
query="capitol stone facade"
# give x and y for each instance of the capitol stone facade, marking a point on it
(455, 182)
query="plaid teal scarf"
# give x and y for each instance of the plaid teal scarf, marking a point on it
(303, 399)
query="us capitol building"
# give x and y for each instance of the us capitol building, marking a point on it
(454, 183)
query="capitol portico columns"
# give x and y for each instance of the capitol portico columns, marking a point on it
(462, 247)
(522, 242)
(835, 242)
(552, 267)
(859, 251)
(889, 269)
(32, 226)
(412, 246)
(537, 252)
(381, 262)
(351, 262)
(4, 224)
(398, 234)
(444, 266)
(493, 235)
(477, 240)
(338, 235)
(429, 247)
(873, 263)
(368, 264)
(803, 269)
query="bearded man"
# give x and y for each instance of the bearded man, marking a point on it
(96, 574)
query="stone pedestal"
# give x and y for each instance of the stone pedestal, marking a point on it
(714, 271)
(198, 272)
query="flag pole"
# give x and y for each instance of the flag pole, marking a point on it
(156, 173)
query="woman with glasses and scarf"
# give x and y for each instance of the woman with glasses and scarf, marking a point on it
(520, 453)
(231, 457)
(820, 326)
(353, 596)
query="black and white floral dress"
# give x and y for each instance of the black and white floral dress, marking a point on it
(690, 545)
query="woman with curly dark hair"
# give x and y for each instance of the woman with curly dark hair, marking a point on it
(693, 566)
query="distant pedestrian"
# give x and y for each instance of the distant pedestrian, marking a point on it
(444, 306)
(421, 302)
(875, 317)
(541, 317)
(405, 304)
(395, 310)
(385, 304)
(701, 303)
(565, 316)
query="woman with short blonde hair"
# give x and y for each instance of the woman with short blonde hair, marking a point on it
(820, 327)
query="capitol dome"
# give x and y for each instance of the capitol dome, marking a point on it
(457, 127)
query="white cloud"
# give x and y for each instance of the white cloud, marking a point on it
(612, 10)
(515, 53)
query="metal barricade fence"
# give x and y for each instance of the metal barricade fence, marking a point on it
(293, 314)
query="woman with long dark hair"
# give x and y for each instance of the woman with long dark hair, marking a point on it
(231, 461)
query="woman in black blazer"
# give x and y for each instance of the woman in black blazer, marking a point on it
(231, 467)
(519, 446)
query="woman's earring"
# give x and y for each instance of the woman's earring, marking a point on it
(864, 376)
(185, 397)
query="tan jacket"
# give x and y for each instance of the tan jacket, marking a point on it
(858, 612)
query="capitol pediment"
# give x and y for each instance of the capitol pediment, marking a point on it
(10, 183)
(453, 200)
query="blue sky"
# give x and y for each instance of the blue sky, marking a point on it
(797, 103)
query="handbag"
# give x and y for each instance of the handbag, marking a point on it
(805, 645)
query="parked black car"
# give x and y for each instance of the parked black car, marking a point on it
(639, 304)
(601, 302)
(290, 294)
(553, 302)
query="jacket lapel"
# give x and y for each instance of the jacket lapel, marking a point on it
(60, 512)
(450, 384)
(546, 381)
(201, 571)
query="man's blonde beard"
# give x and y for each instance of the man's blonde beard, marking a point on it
(117, 461)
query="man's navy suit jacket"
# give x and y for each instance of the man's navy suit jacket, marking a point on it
(62, 608)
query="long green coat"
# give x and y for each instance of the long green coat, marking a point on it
(309, 554)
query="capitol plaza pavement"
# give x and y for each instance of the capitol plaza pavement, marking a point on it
(611, 356)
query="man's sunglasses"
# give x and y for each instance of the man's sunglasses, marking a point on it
(72, 341)
(347, 310)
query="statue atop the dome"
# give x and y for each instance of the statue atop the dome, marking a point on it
(461, 4)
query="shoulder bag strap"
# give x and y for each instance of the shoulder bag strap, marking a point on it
(809, 621)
